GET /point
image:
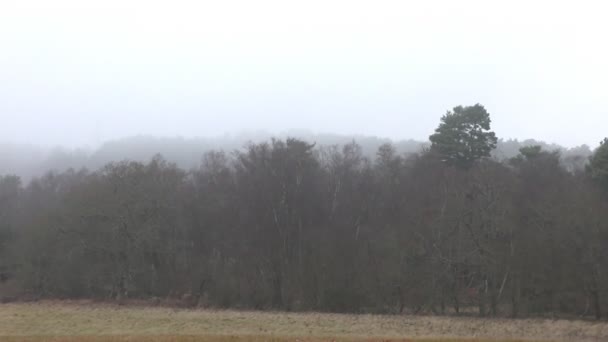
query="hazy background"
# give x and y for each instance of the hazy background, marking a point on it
(77, 74)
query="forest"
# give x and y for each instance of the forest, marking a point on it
(288, 224)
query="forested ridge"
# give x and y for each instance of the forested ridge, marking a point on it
(291, 225)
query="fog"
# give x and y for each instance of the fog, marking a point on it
(29, 161)
(78, 74)
(388, 157)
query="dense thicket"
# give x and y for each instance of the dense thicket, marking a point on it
(293, 226)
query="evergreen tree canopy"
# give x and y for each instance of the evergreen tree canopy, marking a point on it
(464, 136)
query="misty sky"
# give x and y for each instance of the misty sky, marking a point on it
(81, 72)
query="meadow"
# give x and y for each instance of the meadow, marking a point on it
(97, 322)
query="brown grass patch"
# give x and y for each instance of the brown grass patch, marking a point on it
(90, 322)
(227, 339)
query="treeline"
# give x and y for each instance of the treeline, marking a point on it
(293, 226)
(30, 162)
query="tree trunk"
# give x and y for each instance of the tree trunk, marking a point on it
(596, 304)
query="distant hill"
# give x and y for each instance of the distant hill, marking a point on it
(28, 161)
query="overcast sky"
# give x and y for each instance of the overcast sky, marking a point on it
(81, 72)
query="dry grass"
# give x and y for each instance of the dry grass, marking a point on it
(88, 322)
(227, 339)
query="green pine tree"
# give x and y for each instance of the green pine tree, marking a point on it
(464, 136)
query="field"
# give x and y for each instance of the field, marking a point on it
(94, 322)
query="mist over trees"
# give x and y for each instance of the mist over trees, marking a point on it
(29, 161)
(341, 225)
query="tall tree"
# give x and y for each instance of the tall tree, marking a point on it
(10, 190)
(464, 136)
(598, 164)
